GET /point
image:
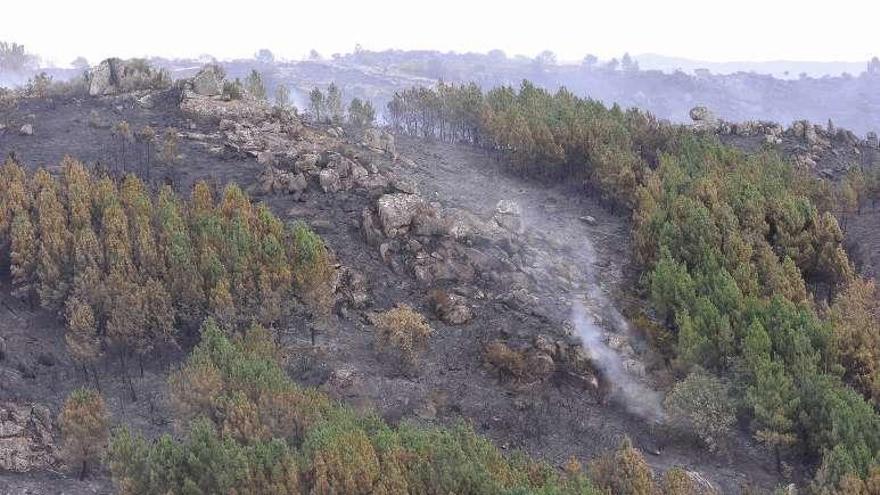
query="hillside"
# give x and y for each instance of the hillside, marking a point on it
(537, 260)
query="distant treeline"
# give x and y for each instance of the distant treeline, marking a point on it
(742, 261)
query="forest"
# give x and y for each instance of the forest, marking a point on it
(132, 270)
(741, 258)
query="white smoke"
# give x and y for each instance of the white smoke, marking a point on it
(636, 397)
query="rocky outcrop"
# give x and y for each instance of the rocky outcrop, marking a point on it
(208, 81)
(115, 76)
(26, 442)
(274, 181)
(704, 119)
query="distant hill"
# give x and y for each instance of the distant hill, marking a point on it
(786, 69)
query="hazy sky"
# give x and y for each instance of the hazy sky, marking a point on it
(754, 30)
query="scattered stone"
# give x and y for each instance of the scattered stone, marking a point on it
(353, 288)
(450, 308)
(26, 442)
(46, 359)
(342, 378)
(588, 219)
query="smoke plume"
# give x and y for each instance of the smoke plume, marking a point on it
(637, 398)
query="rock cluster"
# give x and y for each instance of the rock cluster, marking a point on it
(26, 440)
(330, 171)
(809, 144)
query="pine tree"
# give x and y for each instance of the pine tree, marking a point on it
(115, 240)
(81, 336)
(54, 241)
(255, 86)
(317, 104)
(76, 185)
(24, 252)
(14, 197)
(84, 429)
(333, 104)
(176, 249)
(312, 271)
(855, 319)
(139, 211)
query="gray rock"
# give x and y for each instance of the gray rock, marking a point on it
(396, 211)
(208, 81)
(871, 140)
(508, 215)
(704, 119)
(307, 163)
(810, 135)
(26, 130)
(296, 184)
(329, 180)
(369, 226)
(101, 77)
(588, 219)
(266, 158)
(26, 442)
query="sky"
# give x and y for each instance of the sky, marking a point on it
(710, 30)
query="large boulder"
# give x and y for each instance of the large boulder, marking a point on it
(101, 78)
(208, 81)
(704, 119)
(396, 211)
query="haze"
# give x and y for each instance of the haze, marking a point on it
(749, 30)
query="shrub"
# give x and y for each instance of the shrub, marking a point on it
(623, 472)
(403, 333)
(509, 363)
(701, 403)
(233, 90)
(312, 270)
